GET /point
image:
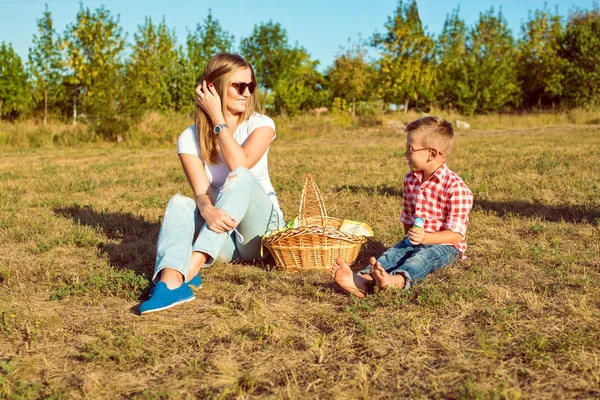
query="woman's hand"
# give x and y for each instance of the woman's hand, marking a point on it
(208, 99)
(416, 236)
(218, 220)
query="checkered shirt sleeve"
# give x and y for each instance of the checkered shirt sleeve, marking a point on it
(458, 206)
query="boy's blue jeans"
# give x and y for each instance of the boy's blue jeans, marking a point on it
(415, 262)
(183, 229)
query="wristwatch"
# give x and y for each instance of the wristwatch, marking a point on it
(219, 128)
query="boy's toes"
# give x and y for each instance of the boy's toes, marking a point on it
(334, 269)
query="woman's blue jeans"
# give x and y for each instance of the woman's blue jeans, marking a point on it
(416, 262)
(184, 231)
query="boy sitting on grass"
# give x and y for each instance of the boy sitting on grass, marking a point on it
(432, 192)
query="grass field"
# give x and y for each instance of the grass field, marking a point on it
(519, 319)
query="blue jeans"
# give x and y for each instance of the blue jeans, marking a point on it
(183, 229)
(416, 262)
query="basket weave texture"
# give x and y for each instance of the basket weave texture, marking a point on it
(317, 241)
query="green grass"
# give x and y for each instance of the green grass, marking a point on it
(518, 319)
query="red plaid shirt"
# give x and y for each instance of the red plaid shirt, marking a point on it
(443, 201)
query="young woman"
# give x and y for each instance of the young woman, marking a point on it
(224, 156)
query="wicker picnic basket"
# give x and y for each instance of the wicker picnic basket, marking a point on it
(316, 242)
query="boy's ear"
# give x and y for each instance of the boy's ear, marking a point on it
(433, 153)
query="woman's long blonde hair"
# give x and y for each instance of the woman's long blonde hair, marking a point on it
(219, 72)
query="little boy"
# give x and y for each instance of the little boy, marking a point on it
(436, 194)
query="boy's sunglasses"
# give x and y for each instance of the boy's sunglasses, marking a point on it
(241, 87)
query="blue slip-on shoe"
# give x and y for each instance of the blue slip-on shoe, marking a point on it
(161, 297)
(195, 282)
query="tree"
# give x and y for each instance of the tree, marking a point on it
(203, 44)
(182, 89)
(495, 64)
(486, 76)
(45, 62)
(14, 89)
(406, 68)
(94, 45)
(267, 50)
(580, 49)
(451, 52)
(297, 85)
(150, 70)
(349, 76)
(540, 65)
(287, 73)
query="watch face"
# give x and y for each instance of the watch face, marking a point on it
(219, 128)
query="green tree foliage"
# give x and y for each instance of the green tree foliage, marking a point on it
(182, 89)
(152, 68)
(94, 46)
(406, 68)
(580, 49)
(286, 71)
(45, 62)
(203, 44)
(14, 88)
(484, 70)
(452, 69)
(297, 88)
(540, 65)
(350, 76)
(267, 50)
(494, 66)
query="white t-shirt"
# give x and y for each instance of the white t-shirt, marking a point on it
(217, 173)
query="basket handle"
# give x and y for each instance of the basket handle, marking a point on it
(311, 202)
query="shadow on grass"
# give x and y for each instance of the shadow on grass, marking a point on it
(572, 214)
(372, 248)
(136, 248)
(381, 190)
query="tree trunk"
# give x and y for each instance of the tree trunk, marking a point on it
(353, 107)
(75, 107)
(45, 106)
(539, 102)
(406, 100)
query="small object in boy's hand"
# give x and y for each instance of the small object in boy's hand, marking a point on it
(419, 224)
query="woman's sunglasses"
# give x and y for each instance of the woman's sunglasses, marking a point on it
(241, 87)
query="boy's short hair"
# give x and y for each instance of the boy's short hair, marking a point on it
(435, 132)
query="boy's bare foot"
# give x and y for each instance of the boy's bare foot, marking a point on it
(384, 280)
(349, 281)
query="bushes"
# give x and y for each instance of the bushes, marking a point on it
(156, 129)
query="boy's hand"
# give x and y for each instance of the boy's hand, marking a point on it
(416, 236)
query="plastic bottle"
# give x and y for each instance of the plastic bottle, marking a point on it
(418, 224)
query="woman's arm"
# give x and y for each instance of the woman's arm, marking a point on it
(250, 153)
(218, 220)
(233, 153)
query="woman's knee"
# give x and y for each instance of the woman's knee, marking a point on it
(238, 176)
(179, 201)
(241, 172)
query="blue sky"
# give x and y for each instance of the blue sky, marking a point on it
(319, 26)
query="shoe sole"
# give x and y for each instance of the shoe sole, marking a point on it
(169, 306)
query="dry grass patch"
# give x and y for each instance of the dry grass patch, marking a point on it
(517, 319)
